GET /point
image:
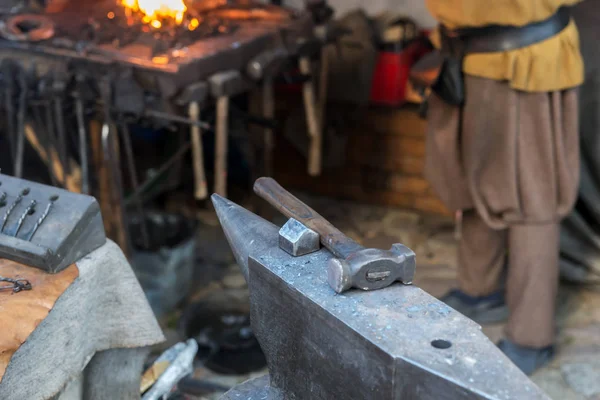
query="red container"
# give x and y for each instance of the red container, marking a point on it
(395, 60)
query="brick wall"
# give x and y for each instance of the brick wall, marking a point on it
(383, 163)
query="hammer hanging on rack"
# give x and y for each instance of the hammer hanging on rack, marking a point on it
(306, 50)
(223, 86)
(194, 96)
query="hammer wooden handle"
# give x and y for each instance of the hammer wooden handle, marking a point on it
(290, 206)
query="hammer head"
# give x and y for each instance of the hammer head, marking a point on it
(194, 93)
(372, 269)
(226, 84)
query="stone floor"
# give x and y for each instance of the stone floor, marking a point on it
(573, 375)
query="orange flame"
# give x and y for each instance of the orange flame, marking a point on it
(156, 10)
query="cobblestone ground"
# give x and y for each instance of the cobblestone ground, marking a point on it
(573, 375)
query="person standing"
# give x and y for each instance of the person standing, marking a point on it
(503, 151)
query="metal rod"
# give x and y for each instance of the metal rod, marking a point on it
(10, 210)
(174, 158)
(28, 211)
(268, 112)
(8, 105)
(135, 183)
(41, 219)
(62, 139)
(39, 127)
(85, 174)
(176, 118)
(109, 142)
(21, 126)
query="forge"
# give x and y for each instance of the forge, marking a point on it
(74, 75)
(165, 52)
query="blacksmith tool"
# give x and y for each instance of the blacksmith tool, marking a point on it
(135, 184)
(194, 97)
(16, 285)
(267, 63)
(264, 68)
(298, 240)
(82, 131)
(110, 143)
(223, 86)
(329, 35)
(8, 79)
(46, 227)
(394, 343)
(59, 86)
(23, 92)
(354, 265)
(306, 49)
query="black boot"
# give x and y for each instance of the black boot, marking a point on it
(528, 359)
(483, 310)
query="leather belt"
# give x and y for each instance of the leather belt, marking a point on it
(497, 38)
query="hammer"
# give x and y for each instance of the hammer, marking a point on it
(354, 265)
(265, 67)
(194, 96)
(223, 86)
(306, 48)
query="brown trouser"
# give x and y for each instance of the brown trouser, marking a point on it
(511, 159)
(529, 252)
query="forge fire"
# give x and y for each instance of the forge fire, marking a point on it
(156, 12)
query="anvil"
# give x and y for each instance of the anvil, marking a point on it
(394, 343)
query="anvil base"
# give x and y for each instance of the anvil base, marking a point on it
(254, 389)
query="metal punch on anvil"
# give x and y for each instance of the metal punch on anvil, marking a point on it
(395, 343)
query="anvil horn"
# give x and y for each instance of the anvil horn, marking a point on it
(246, 232)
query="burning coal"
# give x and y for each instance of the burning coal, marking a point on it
(157, 12)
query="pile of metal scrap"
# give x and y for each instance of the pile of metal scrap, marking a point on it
(325, 341)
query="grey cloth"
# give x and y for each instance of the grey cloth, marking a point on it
(93, 343)
(580, 235)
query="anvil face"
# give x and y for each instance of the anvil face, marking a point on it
(394, 343)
